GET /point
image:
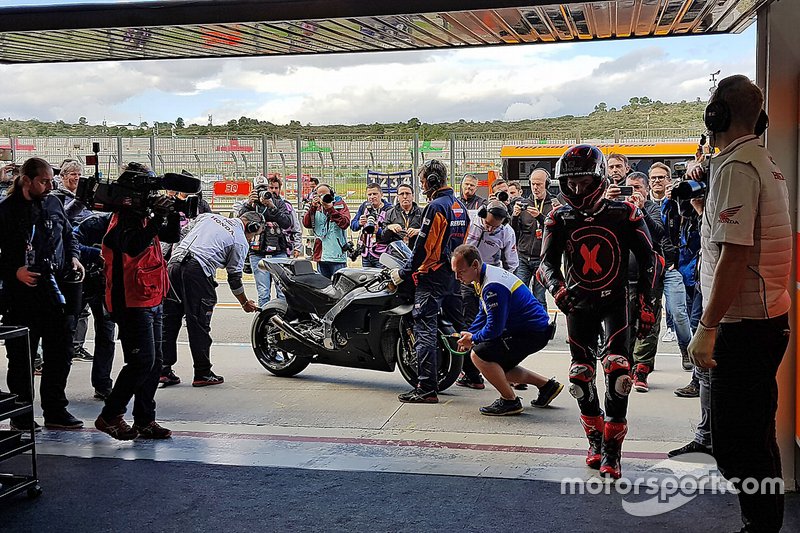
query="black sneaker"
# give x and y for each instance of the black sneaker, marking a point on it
(465, 381)
(548, 393)
(689, 391)
(82, 354)
(692, 447)
(208, 379)
(419, 396)
(503, 407)
(169, 378)
(24, 425)
(63, 421)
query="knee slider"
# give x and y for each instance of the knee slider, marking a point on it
(580, 376)
(617, 369)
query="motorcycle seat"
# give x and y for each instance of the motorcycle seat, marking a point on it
(313, 280)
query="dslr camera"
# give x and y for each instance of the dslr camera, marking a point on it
(372, 221)
(353, 251)
(264, 193)
(136, 189)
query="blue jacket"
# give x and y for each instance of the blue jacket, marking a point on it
(507, 307)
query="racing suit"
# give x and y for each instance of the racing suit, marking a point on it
(444, 227)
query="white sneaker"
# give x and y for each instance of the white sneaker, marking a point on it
(669, 336)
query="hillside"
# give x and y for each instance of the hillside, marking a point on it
(640, 112)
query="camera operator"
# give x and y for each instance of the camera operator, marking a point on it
(500, 191)
(39, 263)
(136, 284)
(329, 218)
(213, 242)
(294, 233)
(514, 191)
(494, 239)
(527, 221)
(270, 243)
(89, 234)
(403, 221)
(746, 240)
(618, 170)
(369, 220)
(469, 199)
(444, 227)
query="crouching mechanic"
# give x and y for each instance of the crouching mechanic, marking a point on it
(213, 242)
(511, 324)
(595, 237)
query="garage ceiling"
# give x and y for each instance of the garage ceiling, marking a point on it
(171, 29)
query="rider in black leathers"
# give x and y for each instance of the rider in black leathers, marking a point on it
(595, 236)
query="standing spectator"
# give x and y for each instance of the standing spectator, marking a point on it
(746, 239)
(527, 221)
(618, 168)
(213, 242)
(500, 191)
(329, 218)
(39, 256)
(658, 186)
(490, 234)
(510, 326)
(369, 220)
(89, 234)
(469, 199)
(404, 220)
(444, 227)
(514, 190)
(136, 284)
(643, 350)
(6, 179)
(271, 243)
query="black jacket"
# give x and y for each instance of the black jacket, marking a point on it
(45, 224)
(273, 238)
(476, 202)
(529, 245)
(396, 215)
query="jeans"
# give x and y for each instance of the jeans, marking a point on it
(470, 303)
(429, 298)
(49, 324)
(526, 271)
(369, 261)
(328, 268)
(194, 295)
(140, 333)
(264, 278)
(675, 300)
(103, 346)
(81, 327)
(744, 399)
(702, 433)
(694, 305)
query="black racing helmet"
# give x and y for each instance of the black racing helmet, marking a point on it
(582, 160)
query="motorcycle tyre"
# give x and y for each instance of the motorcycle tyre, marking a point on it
(275, 307)
(391, 342)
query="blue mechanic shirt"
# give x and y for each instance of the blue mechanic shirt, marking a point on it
(507, 307)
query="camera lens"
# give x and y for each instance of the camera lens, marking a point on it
(502, 196)
(266, 195)
(327, 199)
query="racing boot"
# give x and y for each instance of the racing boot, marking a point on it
(613, 435)
(593, 426)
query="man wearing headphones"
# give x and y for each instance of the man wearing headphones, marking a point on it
(444, 227)
(490, 234)
(213, 242)
(745, 264)
(527, 221)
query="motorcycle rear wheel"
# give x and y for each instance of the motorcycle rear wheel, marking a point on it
(406, 356)
(263, 337)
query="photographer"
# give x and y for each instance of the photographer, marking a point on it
(38, 264)
(500, 191)
(329, 218)
(618, 170)
(527, 221)
(136, 284)
(746, 240)
(6, 178)
(294, 233)
(369, 220)
(469, 198)
(270, 243)
(213, 242)
(403, 221)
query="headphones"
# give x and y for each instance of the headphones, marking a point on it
(547, 176)
(497, 210)
(435, 180)
(255, 221)
(717, 117)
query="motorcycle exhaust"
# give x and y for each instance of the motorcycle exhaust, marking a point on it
(289, 330)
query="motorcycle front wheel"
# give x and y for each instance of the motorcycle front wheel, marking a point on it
(402, 344)
(264, 339)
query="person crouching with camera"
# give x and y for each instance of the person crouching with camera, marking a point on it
(213, 242)
(369, 220)
(136, 285)
(39, 265)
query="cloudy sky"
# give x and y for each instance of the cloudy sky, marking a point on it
(505, 83)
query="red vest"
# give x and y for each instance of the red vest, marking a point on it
(144, 277)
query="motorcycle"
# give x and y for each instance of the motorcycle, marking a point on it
(359, 320)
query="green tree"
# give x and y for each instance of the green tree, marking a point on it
(179, 123)
(82, 121)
